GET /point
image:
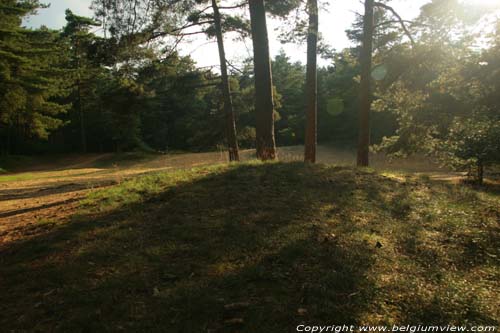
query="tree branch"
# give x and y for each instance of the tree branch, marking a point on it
(243, 4)
(234, 67)
(177, 31)
(400, 20)
(391, 22)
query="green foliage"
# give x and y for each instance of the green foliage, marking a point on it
(445, 100)
(77, 25)
(474, 140)
(335, 106)
(289, 80)
(184, 108)
(30, 78)
(128, 90)
(121, 103)
(230, 24)
(283, 7)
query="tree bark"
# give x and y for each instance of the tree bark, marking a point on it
(264, 104)
(83, 136)
(312, 84)
(365, 86)
(480, 172)
(232, 141)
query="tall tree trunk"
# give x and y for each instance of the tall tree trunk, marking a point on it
(264, 105)
(480, 172)
(83, 136)
(312, 84)
(232, 141)
(365, 98)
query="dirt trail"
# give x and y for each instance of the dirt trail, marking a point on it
(51, 191)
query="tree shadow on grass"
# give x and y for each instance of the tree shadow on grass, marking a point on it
(280, 237)
(243, 234)
(490, 187)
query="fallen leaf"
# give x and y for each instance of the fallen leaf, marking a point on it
(234, 321)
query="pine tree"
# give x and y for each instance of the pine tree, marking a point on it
(226, 92)
(365, 86)
(312, 83)
(29, 78)
(80, 42)
(264, 103)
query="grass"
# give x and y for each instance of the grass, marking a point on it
(123, 159)
(167, 252)
(16, 177)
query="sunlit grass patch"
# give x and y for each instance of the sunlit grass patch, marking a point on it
(17, 177)
(139, 189)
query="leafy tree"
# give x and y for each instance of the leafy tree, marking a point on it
(473, 141)
(443, 101)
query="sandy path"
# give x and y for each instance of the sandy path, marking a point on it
(48, 193)
(51, 192)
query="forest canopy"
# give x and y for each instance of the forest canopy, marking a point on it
(433, 82)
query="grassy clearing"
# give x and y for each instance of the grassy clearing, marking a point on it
(299, 243)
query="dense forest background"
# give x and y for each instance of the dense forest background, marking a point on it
(436, 82)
